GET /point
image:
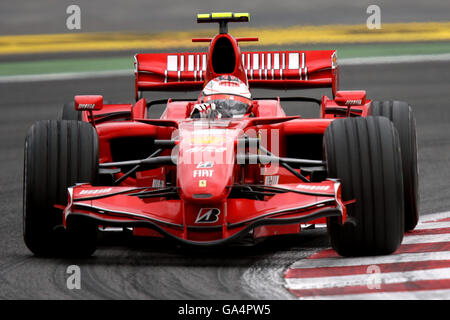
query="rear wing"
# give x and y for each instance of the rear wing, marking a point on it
(264, 69)
(290, 69)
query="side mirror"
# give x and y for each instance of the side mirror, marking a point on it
(88, 103)
(350, 98)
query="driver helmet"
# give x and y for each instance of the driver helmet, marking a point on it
(229, 94)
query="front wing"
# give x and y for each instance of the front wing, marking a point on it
(248, 208)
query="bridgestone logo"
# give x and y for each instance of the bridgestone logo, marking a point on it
(353, 102)
(208, 215)
(86, 106)
(94, 191)
(318, 188)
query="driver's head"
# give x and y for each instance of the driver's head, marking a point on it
(230, 95)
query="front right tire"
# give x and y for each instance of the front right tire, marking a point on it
(364, 154)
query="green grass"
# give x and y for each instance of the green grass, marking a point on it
(65, 65)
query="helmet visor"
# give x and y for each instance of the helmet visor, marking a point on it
(229, 106)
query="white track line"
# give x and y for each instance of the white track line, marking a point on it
(129, 72)
(364, 279)
(433, 225)
(432, 238)
(434, 217)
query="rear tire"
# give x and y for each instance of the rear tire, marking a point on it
(401, 115)
(58, 154)
(364, 153)
(68, 112)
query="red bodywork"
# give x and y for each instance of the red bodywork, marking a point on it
(208, 194)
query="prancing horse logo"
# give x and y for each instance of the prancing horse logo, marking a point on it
(207, 215)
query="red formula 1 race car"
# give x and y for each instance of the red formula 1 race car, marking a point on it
(227, 165)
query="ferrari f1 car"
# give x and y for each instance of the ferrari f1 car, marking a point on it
(205, 175)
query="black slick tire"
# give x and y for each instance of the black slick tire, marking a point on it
(68, 112)
(364, 154)
(401, 115)
(58, 154)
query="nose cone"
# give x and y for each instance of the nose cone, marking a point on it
(205, 164)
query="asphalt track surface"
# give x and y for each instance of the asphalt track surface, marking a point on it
(123, 268)
(48, 16)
